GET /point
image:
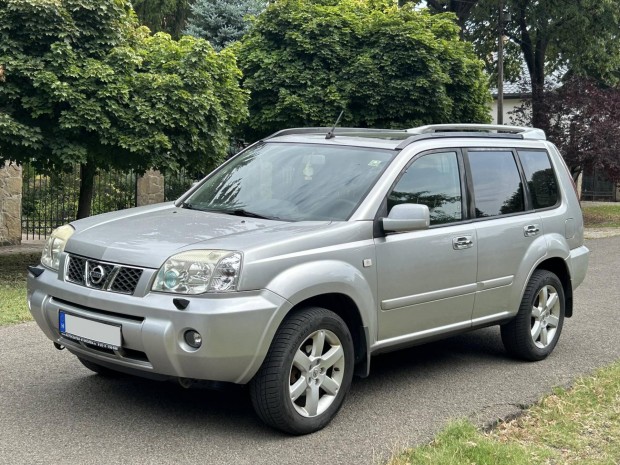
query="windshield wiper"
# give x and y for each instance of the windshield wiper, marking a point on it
(242, 212)
(229, 211)
(188, 205)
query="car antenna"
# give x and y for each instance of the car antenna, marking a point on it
(330, 134)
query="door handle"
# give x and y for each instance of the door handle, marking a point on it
(462, 242)
(531, 230)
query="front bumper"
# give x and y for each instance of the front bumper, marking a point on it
(236, 328)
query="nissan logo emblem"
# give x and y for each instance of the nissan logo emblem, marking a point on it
(97, 275)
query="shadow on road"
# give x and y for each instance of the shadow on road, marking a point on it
(231, 411)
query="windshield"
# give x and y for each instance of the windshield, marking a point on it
(292, 182)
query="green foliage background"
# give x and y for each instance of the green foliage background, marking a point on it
(303, 61)
(163, 15)
(222, 22)
(83, 82)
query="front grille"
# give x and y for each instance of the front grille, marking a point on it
(102, 275)
(76, 270)
(126, 280)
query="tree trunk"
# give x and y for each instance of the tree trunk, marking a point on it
(539, 115)
(87, 187)
(534, 49)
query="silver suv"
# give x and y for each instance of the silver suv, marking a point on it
(293, 263)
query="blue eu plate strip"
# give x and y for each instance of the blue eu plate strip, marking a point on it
(61, 321)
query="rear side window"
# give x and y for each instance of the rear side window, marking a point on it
(540, 178)
(497, 183)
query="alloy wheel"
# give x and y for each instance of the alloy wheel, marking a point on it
(316, 374)
(545, 316)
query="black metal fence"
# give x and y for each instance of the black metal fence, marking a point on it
(597, 186)
(50, 200)
(176, 183)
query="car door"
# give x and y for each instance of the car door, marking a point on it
(426, 278)
(508, 231)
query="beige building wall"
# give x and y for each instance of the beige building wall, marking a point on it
(150, 188)
(509, 105)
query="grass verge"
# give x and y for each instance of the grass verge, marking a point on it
(13, 306)
(576, 426)
(601, 216)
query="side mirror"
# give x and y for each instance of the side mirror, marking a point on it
(407, 217)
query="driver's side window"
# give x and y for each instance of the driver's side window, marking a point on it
(432, 180)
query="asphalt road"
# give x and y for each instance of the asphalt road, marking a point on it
(52, 410)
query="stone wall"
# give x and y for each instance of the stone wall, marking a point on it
(150, 188)
(10, 204)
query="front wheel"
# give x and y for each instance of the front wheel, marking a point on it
(307, 373)
(534, 332)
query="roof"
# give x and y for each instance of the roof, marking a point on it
(522, 87)
(394, 139)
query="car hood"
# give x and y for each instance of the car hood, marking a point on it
(147, 236)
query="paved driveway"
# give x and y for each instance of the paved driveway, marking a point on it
(52, 410)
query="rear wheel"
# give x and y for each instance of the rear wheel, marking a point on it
(307, 373)
(534, 332)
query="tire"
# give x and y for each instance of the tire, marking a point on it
(534, 332)
(100, 370)
(307, 373)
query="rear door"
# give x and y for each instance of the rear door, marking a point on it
(507, 228)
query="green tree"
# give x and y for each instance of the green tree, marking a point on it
(163, 15)
(461, 8)
(82, 82)
(584, 123)
(303, 61)
(580, 36)
(222, 22)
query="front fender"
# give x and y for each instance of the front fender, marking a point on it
(309, 280)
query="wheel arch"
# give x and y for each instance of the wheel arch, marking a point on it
(346, 308)
(339, 287)
(558, 266)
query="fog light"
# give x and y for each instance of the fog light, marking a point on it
(193, 338)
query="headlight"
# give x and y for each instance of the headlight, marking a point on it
(55, 245)
(199, 271)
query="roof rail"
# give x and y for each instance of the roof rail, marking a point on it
(526, 133)
(339, 131)
(452, 134)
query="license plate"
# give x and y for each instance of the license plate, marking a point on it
(93, 332)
